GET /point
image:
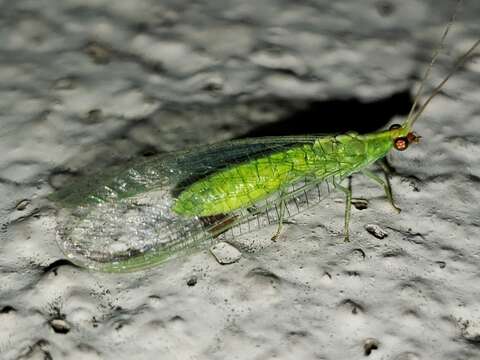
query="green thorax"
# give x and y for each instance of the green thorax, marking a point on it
(242, 185)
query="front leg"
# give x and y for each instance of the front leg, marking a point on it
(385, 184)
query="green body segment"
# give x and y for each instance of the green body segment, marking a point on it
(244, 184)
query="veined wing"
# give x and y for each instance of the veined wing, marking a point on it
(200, 233)
(123, 220)
(176, 170)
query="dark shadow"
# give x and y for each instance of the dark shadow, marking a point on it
(338, 116)
(56, 264)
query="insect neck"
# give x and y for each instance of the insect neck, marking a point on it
(378, 144)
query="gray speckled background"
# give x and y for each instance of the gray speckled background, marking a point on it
(87, 84)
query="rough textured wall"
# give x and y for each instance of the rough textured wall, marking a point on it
(87, 84)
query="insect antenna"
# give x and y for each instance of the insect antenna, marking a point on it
(414, 115)
(437, 89)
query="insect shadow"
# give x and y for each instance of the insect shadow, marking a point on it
(338, 116)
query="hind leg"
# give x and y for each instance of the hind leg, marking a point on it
(348, 207)
(280, 214)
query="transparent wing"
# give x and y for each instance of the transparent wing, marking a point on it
(297, 197)
(122, 219)
(176, 170)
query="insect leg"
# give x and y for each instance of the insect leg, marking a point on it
(280, 215)
(348, 206)
(385, 184)
(386, 166)
(388, 170)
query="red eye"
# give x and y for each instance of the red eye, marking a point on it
(400, 143)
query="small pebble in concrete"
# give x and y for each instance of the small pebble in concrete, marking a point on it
(376, 231)
(225, 253)
(60, 326)
(22, 205)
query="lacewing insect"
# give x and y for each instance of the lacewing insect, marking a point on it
(143, 214)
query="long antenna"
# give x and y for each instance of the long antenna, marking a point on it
(436, 53)
(437, 89)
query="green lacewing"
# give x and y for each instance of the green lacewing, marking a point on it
(145, 213)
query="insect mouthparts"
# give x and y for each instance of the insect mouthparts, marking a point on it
(413, 138)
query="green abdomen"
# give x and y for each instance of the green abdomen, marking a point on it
(242, 185)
